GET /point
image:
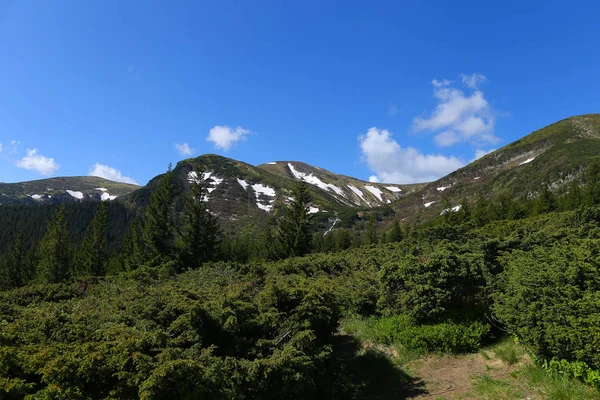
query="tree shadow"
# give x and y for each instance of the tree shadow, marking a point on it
(370, 374)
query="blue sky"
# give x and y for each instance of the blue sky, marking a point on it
(395, 91)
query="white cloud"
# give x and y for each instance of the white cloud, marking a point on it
(393, 110)
(224, 137)
(459, 116)
(13, 146)
(34, 161)
(473, 80)
(110, 173)
(374, 179)
(394, 164)
(184, 149)
(0, 147)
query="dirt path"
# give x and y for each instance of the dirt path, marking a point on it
(451, 377)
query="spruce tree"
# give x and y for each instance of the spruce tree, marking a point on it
(575, 197)
(395, 233)
(200, 229)
(545, 202)
(592, 184)
(158, 231)
(294, 234)
(130, 254)
(371, 237)
(480, 214)
(54, 252)
(16, 270)
(92, 257)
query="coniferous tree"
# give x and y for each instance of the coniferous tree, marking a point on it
(545, 202)
(575, 197)
(371, 237)
(395, 233)
(92, 257)
(592, 184)
(158, 231)
(294, 235)
(16, 270)
(130, 254)
(200, 230)
(480, 214)
(54, 251)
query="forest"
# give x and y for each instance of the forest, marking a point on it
(105, 303)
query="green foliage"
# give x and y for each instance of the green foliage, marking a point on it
(433, 284)
(294, 235)
(17, 268)
(549, 297)
(574, 369)
(200, 230)
(159, 231)
(92, 257)
(54, 252)
(446, 337)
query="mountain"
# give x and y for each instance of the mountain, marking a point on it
(239, 191)
(61, 190)
(554, 156)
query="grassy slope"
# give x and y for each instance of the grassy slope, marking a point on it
(17, 193)
(561, 152)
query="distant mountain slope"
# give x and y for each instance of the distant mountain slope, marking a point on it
(350, 191)
(65, 189)
(554, 155)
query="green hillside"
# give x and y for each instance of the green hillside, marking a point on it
(63, 189)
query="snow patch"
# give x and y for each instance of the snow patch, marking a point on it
(527, 161)
(77, 195)
(313, 180)
(453, 209)
(358, 192)
(442, 188)
(477, 177)
(332, 225)
(376, 191)
(243, 183)
(272, 163)
(313, 210)
(211, 186)
(259, 190)
(102, 189)
(36, 196)
(393, 189)
(428, 204)
(106, 196)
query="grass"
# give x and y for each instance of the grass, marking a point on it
(509, 352)
(489, 388)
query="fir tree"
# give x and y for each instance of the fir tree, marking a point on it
(54, 252)
(395, 233)
(480, 215)
(92, 256)
(545, 202)
(158, 231)
(200, 230)
(575, 197)
(294, 234)
(371, 237)
(130, 254)
(592, 184)
(16, 270)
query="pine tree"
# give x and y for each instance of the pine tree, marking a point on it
(480, 214)
(54, 251)
(92, 257)
(592, 184)
(294, 235)
(371, 237)
(575, 197)
(545, 202)
(200, 230)
(158, 232)
(130, 254)
(16, 270)
(395, 233)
